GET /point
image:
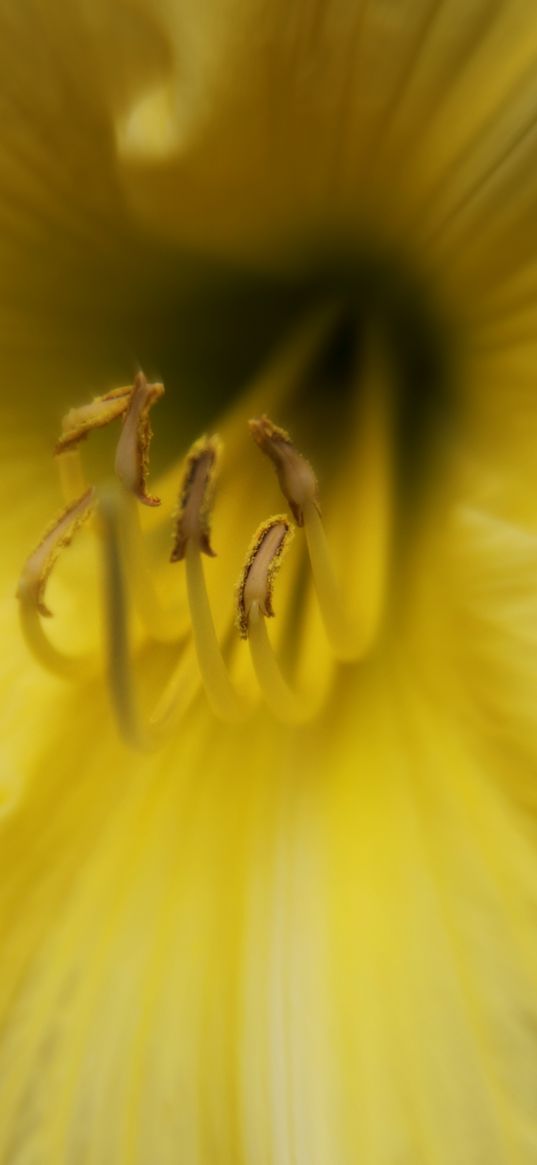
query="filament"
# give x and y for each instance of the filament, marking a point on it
(281, 699)
(156, 620)
(180, 688)
(72, 478)
(340, 631)
(177, 694)
(73, 483)
(369, 504)
(369, 499)
(221, 694)
(116, 617)
(349, 638)
(54, 661)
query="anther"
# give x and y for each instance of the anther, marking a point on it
(33, 581)
(254, 606)
(132, 453)
(79, 422)
(190, 540)
(193, 518)
(37, 568)
(262, 562)
(296, 476)
(349, 638)
(132, 402)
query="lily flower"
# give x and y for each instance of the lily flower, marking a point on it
(268, 872)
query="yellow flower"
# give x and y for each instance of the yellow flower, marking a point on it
(268, 943)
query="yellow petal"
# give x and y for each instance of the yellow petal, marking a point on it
(323, 111)
(275, 945)
(255, 956)
(312, 943)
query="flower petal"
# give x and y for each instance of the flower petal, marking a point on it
(269, 944)
(266, 964)
(283, 945)
(326, 111)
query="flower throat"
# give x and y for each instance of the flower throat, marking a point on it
(111, 511)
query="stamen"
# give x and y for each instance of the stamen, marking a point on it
(79, 422)
(180, 689)
(132, 454)
(262, 563)
(286, 705)
(297, 479)
(72, 478)
(349, 639)
(33, 581)
(116, 622)
(37, 568)
(340, 630)
(178, 692)
(192, 537)
(193, 519)
(372, 510)
(254, 605)
(160, 624)
(222, 696)
(124, 559)
(77, 425)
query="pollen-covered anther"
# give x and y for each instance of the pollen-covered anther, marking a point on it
(296, 476)
(262, 563)
(132, 453)
(193, 518)
(79, 422)
(37, 568)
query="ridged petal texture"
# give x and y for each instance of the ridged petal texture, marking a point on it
(273, 945)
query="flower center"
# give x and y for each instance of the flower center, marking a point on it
(364, 386)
